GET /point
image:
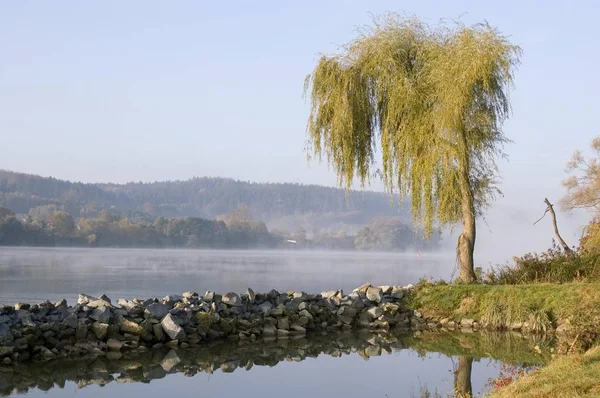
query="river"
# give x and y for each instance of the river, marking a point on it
(345, 365)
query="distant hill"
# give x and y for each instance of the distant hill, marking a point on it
(283, 206)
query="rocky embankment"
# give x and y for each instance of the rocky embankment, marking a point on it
(99, 327)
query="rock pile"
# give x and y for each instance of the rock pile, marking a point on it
(97, 326)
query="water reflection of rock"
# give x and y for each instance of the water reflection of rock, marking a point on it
(145, 366)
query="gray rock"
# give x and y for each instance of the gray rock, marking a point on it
(25, 318)
(104, 297)
(386, 289)
(251, 295)
(265, 307)
(277, 311)
(127, 326)
(81, 331)
(99, 303)
(5, 333)
(46, 353)
(269, 330)
(283, 323)
(297, 328)
(4, 319)
(374, 312)
(114, 345)
(70, 321)
(305, 314)
(190, 294)
(22, 306)
(363, 288)
(6, 351)
(101, 314)
(84, 299)
(100, 330)
(172, 299)
(331, 293)
(129, 305)
(157, 310)
(171, 328)
(374, 294)
(158, 331)
(300, 295)
(232, 299)
(347, 311)
(61, 305)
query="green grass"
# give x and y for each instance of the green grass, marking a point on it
(542, 306)
(575, 375)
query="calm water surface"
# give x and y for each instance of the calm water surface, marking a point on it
(316, 366)
(34, 275)
(348, 365)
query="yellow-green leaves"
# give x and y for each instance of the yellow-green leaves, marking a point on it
(432, 98)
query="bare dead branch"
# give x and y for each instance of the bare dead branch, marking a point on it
(550, 208)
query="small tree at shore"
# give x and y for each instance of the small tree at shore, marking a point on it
(583, 192)
(435, 98)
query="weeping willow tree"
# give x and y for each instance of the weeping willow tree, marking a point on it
(431, 101)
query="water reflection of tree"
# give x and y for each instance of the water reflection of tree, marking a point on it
(462, 377)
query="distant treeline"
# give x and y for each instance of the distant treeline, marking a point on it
(280, 205)
(234, 231)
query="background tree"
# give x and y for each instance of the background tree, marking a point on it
(62, 224)
(436, 98)
(583, 192)
(583, 185)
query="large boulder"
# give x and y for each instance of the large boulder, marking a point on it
(171, 328)
(375, 294)
(374, 312)
(100, 330)
(157, 310)
(101, 314)
(84, 299)
(232, 299)
(127, 326)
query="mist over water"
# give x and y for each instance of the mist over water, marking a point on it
(37, 274)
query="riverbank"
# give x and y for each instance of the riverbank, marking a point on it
(571, 309)
(576, 375)
(98, 326)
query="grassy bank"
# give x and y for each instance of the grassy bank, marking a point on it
(576, 375)
(571, 307)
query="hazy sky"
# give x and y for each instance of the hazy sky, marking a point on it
(147, 90)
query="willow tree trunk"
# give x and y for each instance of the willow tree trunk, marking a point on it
(466, 241)
(462, 378)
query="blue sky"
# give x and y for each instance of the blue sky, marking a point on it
(147, 90)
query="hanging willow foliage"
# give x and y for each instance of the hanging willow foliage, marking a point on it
(432, 98)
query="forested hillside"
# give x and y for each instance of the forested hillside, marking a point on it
(280, 205)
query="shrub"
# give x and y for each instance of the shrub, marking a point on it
(551, 266)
